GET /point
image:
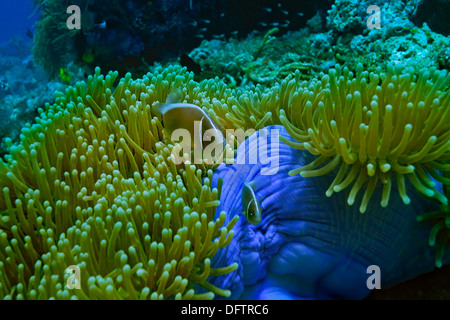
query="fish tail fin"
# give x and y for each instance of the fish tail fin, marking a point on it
(175, 95)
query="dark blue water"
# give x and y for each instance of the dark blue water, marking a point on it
(16, 16)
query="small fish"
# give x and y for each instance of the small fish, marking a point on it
(4, 89)
(88, 56)
(252, 210)
(286, 24)
(285, 12)
(222, 14)
(235, 32)
(29, 33)
(110, 23)
(218, 36)
(101, 25)
(203, 29)
(193, 23)
(300, 14)
(65, 75)
(205, 20)
(263, 24)
(268, 9)
(199, 36)
(274, 24)
(3, 85)
(279, 4)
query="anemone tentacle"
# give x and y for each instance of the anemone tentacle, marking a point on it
(92, 185)
(391, 125)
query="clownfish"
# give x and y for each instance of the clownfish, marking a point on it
(178, 115)
(252, 210)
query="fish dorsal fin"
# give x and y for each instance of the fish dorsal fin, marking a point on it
(250, 186)
(174, 96)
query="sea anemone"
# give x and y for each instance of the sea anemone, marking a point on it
(375, 127)
(92, 185)
(365, 128)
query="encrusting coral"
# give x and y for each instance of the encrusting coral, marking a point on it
(92, 184)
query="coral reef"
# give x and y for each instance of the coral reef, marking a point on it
(53, 42)
(264, 59)
(25, 87)
(347, 41)
(401, 38)
(349, 16)
(20, 76)
(414, 46)
(130, 35)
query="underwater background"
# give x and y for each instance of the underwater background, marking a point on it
(17, 16)
(359, 95)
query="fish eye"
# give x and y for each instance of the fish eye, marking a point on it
(251, 213)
